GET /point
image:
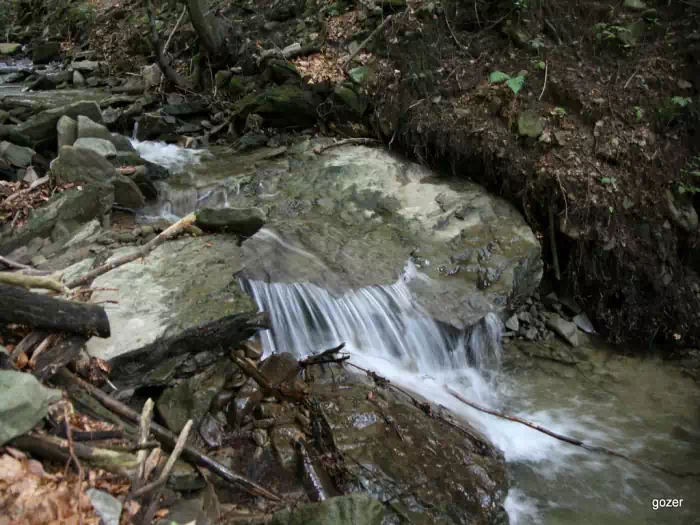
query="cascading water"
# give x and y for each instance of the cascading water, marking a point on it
(646, 411)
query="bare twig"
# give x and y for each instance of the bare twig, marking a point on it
(13, 264)
(546, 68)
(179, 446)
(344, 142)
(74, 458)
(366, 41)
(553, 242)
(28, 343)
(566, 439)
(165, 436)
(45, 345)
(32, 281)
(32, 186)
(177, 26)
(172, 231)
(144, 431)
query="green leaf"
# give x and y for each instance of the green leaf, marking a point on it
(498, 77)
(606, 180)
(541, 65)
(516, 84)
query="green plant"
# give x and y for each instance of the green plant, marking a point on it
(558, 112)
(514, 83)
(536, 44)
(675, 109)
(521, 5)
(681, 102)
(692, 168)
(610, 181)
(638, 113)
(612, 33)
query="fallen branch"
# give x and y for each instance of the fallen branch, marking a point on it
(12, 264)
(41, 311)
(27, 344)
(279, 391)
(177, 26)
(74, 459)
(52, 360)
(165, 436)
(546, 68)
(344, 142)
(32, 187)
(32, 281)
(169, 233)
(566, 439)
(43, 346)
(144, 431)
(327, 356)
(366, 41)
(163, 478)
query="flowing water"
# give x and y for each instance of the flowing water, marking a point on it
(645, 409)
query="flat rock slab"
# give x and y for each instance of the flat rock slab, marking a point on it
(181, 284)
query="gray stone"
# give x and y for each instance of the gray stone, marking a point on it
(87, 66)
(25, 403)
(100, 146)
(30, 175)
(81, 165)
(584, 323)
(513, 323)
(67, 130)
(354, 509)
(530, 333)
(85, 235)
(45, 53)
(42, 127)
(77, 270)
(16, 156)
(87, 128)
(566, 329)
(122, 143)
(681, 211)
(38, 260)
(10, 48)
(107, 507)
(127, 193)
(78, 79)
(171, 293)
(151, 76)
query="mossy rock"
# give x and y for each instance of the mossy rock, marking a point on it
(349, 102)
(354, 509)
(530, 124)
(282, 72)
(281, 106)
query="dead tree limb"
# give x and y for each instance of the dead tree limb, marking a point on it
(12, 264)
(32, 281)
(163, 63)
(366, 41)
(59, 355)
(169, 233)
(362, 141)
(567, 439)
(165, 436)
(177, 26)
(32, 187)
(21, 306)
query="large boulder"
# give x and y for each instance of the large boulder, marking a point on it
(16, 156)
(88, 128)
(186, 283)
(81, 165)
(67, 130)
(280, 106)
(42, 127)
(64, 213)
(127, 193)
(102, 147)
(45, 53)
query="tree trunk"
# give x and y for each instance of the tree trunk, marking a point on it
(208, 28)
(21, 306)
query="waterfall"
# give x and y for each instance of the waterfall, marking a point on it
(381, 322)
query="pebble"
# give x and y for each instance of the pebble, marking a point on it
(260, 437)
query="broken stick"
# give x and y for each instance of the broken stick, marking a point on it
(165, 436)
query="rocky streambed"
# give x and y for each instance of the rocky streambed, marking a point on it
(414, 272)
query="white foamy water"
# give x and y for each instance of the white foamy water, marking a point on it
(555, 482)
(169, 156)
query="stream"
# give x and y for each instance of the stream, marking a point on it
(646, 408)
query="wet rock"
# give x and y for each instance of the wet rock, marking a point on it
(16, 156)
(184, 109)
(200, 509)
(127, 193)
(353, 509)
(281, 106)
(154, 126)
(194, 297)
(222, 78)
(45, 53)
(43, 126)
(102, 147)
(78, 79)
(192, 397)
(253, 349)
(43, 83)
(513, 323)
(244, 223)
(529, 333)
(81, 165)
(566, 329)
(212, 431)
(67, 130)
(63, 212)
(88, 66)
(122, 143)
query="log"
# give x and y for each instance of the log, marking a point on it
(55, 358)
(57, 449)
(20, 306)
(135, 368)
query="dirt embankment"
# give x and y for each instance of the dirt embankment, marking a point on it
(584, 114)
